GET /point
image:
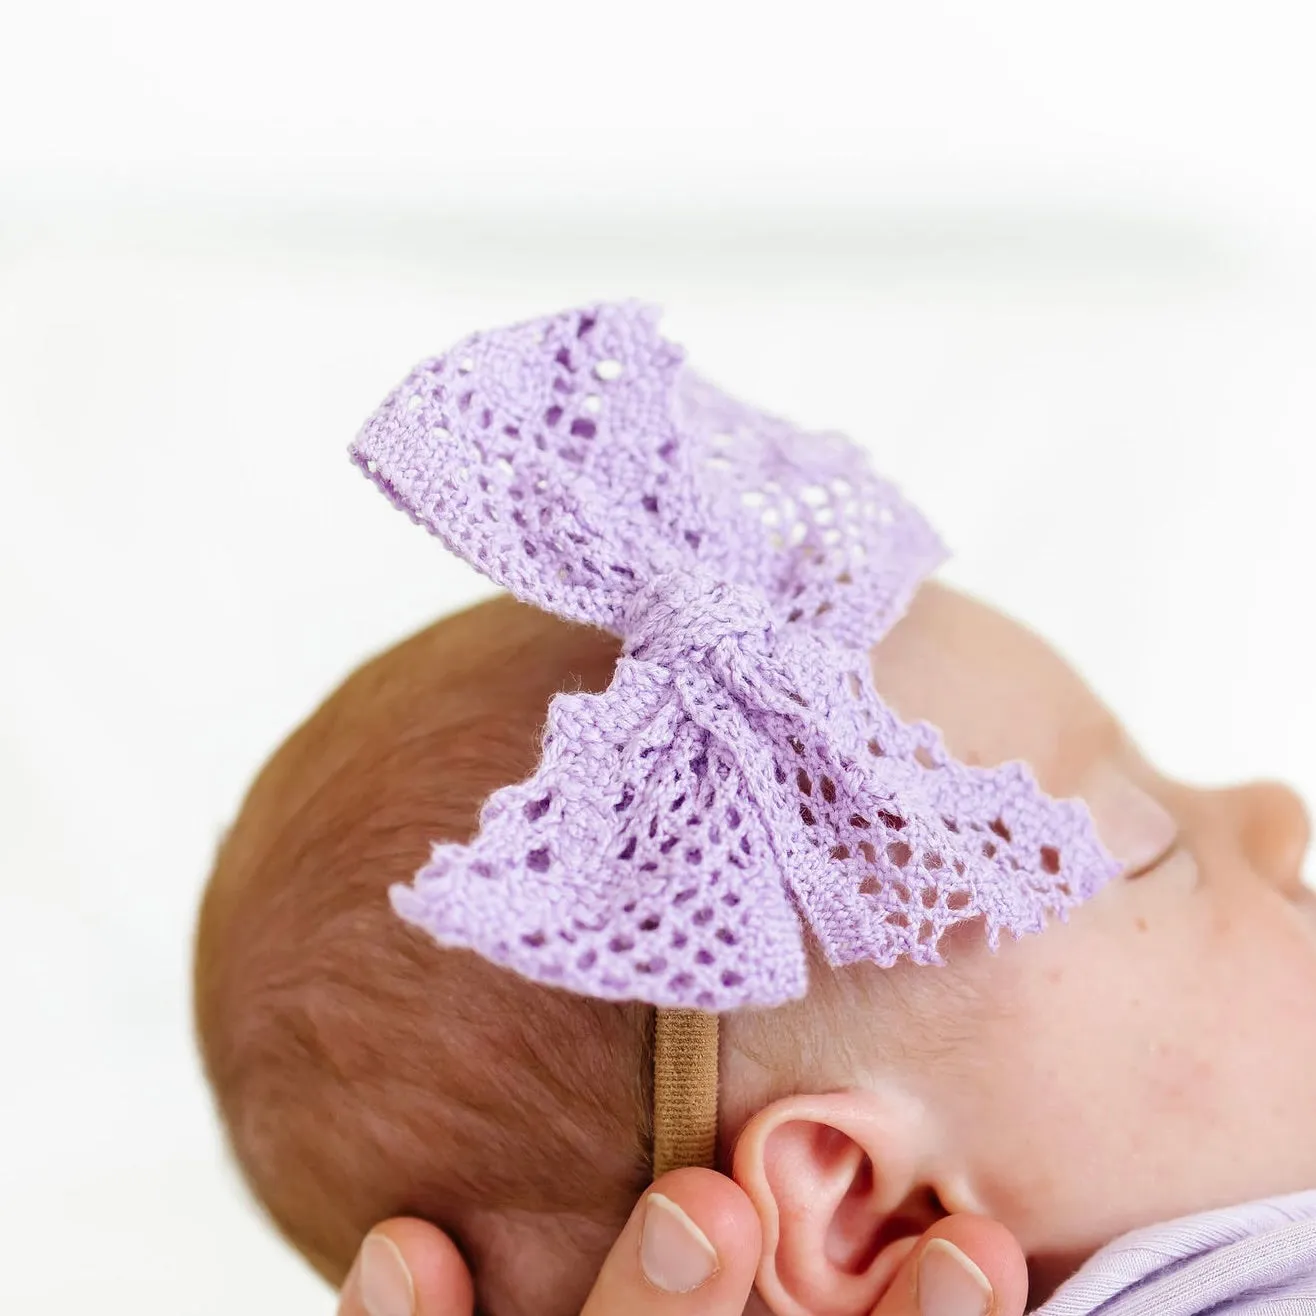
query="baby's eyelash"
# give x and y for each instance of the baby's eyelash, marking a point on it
(1147, 869)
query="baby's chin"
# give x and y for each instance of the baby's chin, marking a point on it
(1049, 1270)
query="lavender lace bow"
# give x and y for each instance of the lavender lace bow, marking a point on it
(741, 773)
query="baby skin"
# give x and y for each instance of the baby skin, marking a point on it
(1147, 1059)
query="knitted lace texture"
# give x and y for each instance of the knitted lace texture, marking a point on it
(741, 775)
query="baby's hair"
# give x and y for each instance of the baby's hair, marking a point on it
(364, 1073)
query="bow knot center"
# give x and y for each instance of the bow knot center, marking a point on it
(684, 616)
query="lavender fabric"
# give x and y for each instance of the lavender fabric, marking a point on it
(741, 774)
(1252, 1260)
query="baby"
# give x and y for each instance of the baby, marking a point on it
(1143, 1058)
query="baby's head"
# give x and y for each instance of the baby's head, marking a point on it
(1147, 1058)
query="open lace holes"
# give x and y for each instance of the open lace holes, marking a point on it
(1000, 829)
(807, 816)
(932, 862)
(538, 860)
(957, 900)
(651, 924)
(534, 939)
(875, 749)
(588, 960)
(870, 886)
(726, 936)
(989, 850)
(840, 852)
(703, 916)
(536, 809)
(732, 979)
(828, 788)
(869, 852)
(620, 945)
(923, 756)
(796, 744)
(929, 897)
(899, 853)
(803, 782)
(892, 820)
(1050, 859)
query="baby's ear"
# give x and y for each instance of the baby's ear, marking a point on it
(843, 1184)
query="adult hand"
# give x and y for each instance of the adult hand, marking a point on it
(691, 1248)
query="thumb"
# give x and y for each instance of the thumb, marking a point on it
(408, 1268)
(690, 1248)
(964, 1265)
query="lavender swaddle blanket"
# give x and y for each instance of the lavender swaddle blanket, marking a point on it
(1258, 1259)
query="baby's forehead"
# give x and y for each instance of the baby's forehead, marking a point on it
(994, 689)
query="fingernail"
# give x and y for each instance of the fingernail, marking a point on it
(386, 1286)
(949, 1284)
(675, 1255)
(1133, 827)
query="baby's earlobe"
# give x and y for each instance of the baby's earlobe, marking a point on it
(839, 1181)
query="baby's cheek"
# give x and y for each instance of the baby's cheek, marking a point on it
(1178, 1091)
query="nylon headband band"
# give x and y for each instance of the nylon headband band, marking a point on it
(684, 1090)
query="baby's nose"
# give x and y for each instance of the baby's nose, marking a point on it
(1276, 830)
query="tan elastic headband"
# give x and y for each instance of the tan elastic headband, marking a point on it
(684, 1090)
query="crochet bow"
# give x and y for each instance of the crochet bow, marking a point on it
(741, 773)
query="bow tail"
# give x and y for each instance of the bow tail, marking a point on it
(631, 866)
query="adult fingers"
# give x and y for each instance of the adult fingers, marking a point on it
(964, 1265)
(408, 1268)
(690, 1248)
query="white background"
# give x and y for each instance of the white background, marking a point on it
(1055, 263)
